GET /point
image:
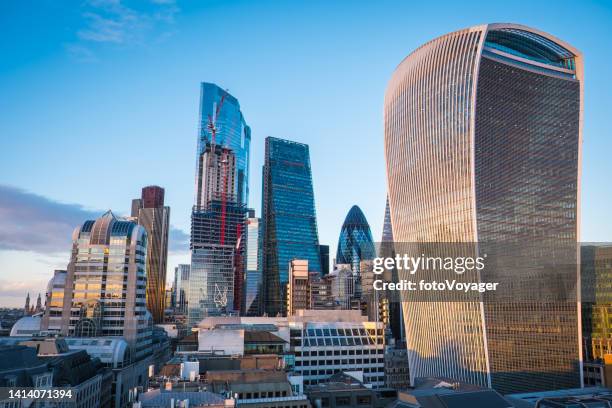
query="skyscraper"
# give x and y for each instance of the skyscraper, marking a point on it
(288, 216)
(253, 280)
(389, 298)
(219, 212)
(150, 212)
(482, 143)
(105, 285)
(220, 108)
(181, 273)
(324, 251)
(355, 243)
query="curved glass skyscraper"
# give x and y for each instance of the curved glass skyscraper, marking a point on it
(482, 144)
(355, 243)
(223, 109)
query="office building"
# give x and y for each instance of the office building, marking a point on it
(298, 287)
(105, 284)
(44, 364)
(596, 275)
(254, 269)
(321, 294)
(343, 390)
(355, 243)
(482, 144)
(217, 243)
(288, 217)
(54, 304)
(324, 251)
(390, 300)
(150, 212)
(315, 343)
(181, 287)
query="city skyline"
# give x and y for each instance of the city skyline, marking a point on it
(143, 118)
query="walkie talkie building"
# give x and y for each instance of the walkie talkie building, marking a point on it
(482, 143)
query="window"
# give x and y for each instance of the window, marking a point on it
(343, 401)
(364, 400)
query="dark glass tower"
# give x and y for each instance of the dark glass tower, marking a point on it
(355, 243)
(289, 218)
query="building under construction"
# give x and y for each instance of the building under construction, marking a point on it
(218, 219)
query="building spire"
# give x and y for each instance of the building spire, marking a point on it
(26, 309)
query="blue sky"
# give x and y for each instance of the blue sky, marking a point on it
(100, 97)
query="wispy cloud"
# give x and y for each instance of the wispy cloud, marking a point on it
(31, 222)
(115, 23)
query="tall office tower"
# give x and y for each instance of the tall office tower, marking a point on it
(298, 289)
(150, 212)
(54, 303)
(253, 296)
(324, 251)
(218, 216)
(482, 144)
(355, 243)
(289, 218)
(105, 284)
(221, 110)
(390, 298)
(596, 275)
(181, 273)
(217, 242)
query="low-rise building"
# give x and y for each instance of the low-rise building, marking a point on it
(317, 344)
(592, 397)
(397, 374)
(344, 390)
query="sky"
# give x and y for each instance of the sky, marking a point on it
(99, 98)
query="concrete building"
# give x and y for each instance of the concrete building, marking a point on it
(343, 390)
(182, 399)
(298, 286)
(594, 397)
(397, 372)
(49, 363)
(317, 344)
(483, 133)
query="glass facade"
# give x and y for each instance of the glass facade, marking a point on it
(105, 284)
(289, 218)
(181, 287)
(232, 132)
(217, 271)
(355, 243)
(482, 143)
(253, 281)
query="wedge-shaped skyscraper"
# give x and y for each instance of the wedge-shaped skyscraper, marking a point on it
(482, 144)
